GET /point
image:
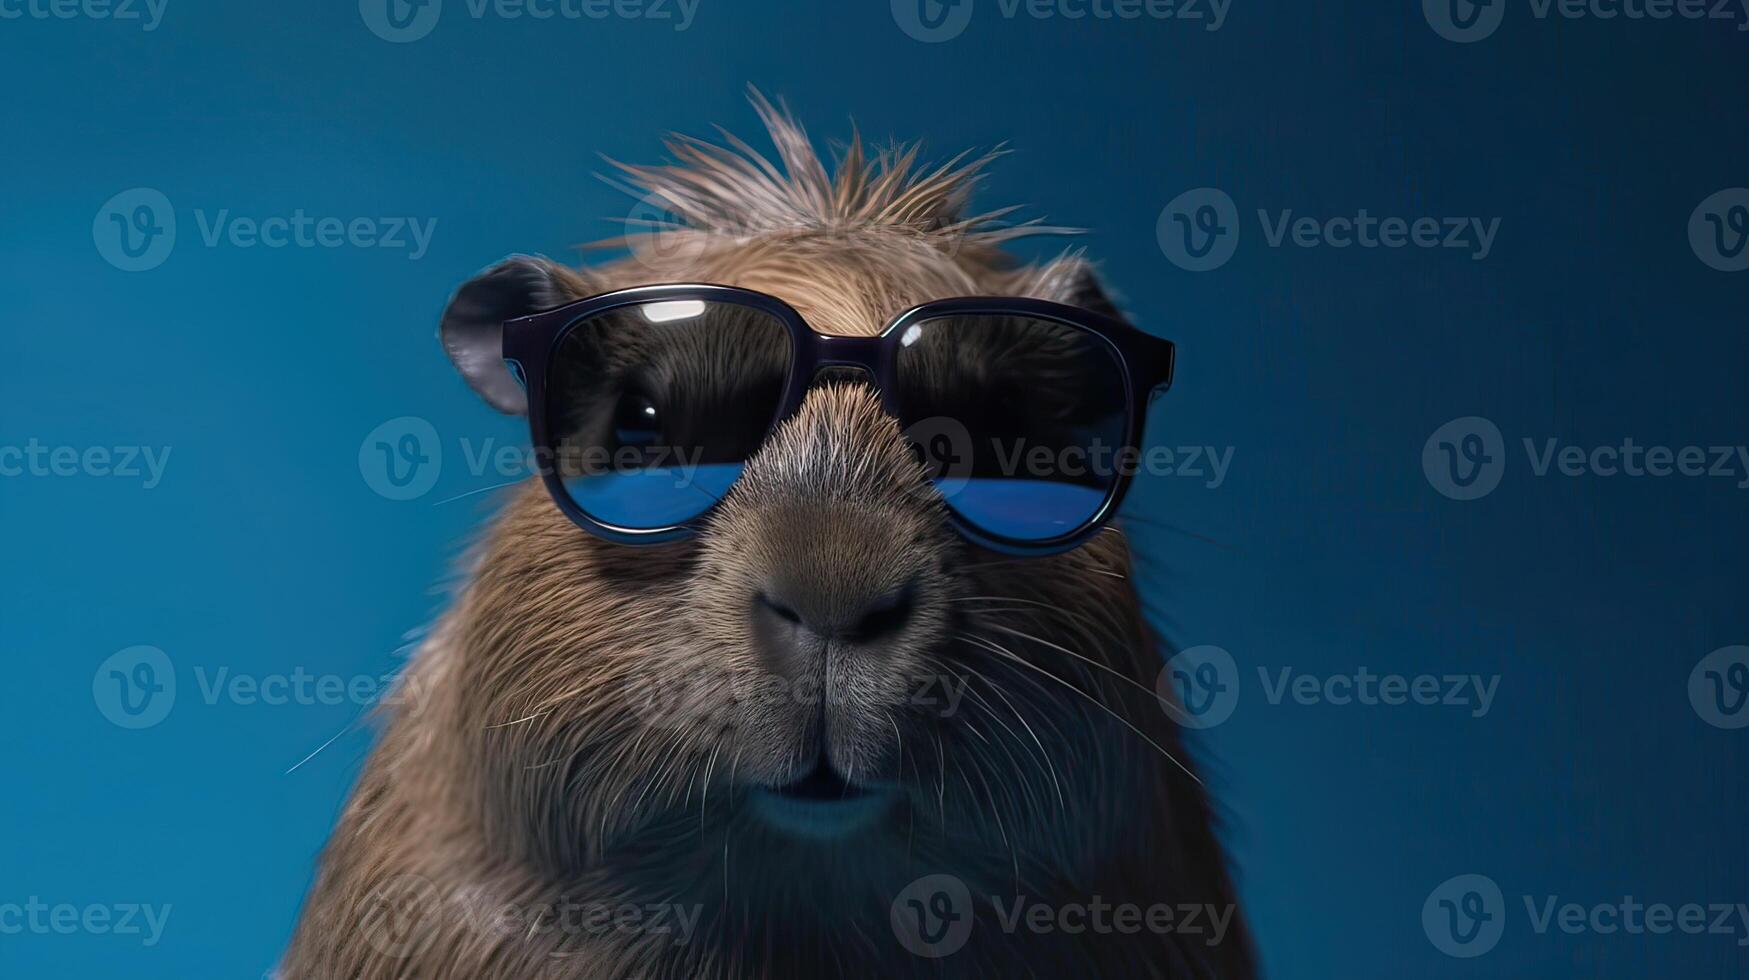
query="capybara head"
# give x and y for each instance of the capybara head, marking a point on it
(827, 692)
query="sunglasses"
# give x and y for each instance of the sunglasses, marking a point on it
(646, 403)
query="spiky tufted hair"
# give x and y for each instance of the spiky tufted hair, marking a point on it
(808, 229)
(732, 193)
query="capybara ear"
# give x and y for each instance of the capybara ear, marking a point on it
(1069, 279)
(1078, 284)
(472, 329)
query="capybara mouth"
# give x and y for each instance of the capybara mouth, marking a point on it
(822, 785)
(822, 804)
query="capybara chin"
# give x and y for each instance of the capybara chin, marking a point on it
(613, 761)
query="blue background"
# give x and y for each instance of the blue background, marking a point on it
(1326, 549)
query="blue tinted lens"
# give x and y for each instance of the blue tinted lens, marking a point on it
(1029, 510)
(656, 496)
(1022, 421)
(654, 407)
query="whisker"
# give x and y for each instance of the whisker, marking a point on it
(941, 783)
(1015, 561)
(1166, 526)
(1109, 630)
(331, 740)
(470, 493)
(996, 811)
(1033, 802)
(910, 811)
(1050, 767)
(1005, 652)
(1084, 659)
(705, 792)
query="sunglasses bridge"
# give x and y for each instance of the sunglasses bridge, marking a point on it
(837, 350)
(844, 358)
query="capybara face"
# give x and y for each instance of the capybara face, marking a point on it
(824, 695)
(828, 659)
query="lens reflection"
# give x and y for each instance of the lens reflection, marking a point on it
(1021, 420)
(655, 407)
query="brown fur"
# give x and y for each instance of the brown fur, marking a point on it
(544, 761)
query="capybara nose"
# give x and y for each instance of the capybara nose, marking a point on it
(800, 620)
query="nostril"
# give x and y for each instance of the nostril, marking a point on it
(849, 618)
(778, 609)
(884, 616)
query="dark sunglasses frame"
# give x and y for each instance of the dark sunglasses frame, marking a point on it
(1145, 363)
